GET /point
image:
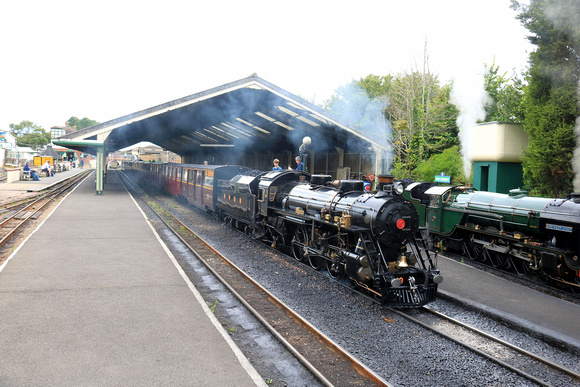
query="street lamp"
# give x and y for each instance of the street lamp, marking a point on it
(306, 141)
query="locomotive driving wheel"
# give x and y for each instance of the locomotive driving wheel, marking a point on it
(316, 262)
(472, 250)
(495, 259)
(299, 242)
(519, 266)
(335, 269)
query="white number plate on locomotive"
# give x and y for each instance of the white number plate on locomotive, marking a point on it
(558, 228)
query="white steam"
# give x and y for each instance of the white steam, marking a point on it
(469, 96)
(576, 157)
(366, 116)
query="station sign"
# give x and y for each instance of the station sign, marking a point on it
(442, 178)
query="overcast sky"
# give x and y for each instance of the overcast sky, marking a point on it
(104, 59)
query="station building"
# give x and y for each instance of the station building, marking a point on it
(248, 122)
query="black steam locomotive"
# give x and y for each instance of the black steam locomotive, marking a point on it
(367, 238)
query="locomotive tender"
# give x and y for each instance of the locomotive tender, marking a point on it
(368, 238)
(511, 231)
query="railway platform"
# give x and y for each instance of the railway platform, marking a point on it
(43, 183)
(94, 298)
(511, 303)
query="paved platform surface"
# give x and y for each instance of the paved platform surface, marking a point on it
(43, 183)
(533, 310)
(93, 298)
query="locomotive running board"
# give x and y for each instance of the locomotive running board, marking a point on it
(490, 246)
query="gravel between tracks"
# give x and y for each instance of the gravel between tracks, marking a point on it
(399, 351)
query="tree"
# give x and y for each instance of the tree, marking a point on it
(506, 96)
(81, 123)
(27, 133)
(422, 120)
(550, 102)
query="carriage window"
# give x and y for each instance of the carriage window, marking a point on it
(208, 181)
(185, 175)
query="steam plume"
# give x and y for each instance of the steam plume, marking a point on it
(469, 96)
(576, 157)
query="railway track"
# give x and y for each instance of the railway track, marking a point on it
(16, 215)
(527, 364)
(327, 361)
(501, 352)
(508, 356)
(513, 358)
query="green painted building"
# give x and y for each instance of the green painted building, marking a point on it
(494, 176)
(496, 150)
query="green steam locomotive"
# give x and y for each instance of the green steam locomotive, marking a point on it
(508, 231)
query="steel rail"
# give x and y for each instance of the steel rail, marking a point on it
(36, 205)
(355, 363)
(522, 351)
(563, 369)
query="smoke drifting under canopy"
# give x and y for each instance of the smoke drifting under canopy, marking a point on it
(354, 107)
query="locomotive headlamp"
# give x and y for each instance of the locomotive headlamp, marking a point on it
(398, 187)
(396, 282)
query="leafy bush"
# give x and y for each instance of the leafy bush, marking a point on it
(449, 162)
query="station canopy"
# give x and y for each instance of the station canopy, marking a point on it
(248, 115)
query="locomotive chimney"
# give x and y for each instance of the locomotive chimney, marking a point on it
(386, 179)
(576, 197)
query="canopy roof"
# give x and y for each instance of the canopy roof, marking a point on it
(250, 114)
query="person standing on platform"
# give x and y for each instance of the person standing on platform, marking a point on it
(277, 166)
(299, 166)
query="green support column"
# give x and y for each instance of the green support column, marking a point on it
(100, 170)
(92, 147)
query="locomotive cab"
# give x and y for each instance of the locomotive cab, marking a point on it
(273, 183)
